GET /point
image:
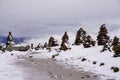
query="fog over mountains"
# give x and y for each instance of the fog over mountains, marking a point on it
(47, 31)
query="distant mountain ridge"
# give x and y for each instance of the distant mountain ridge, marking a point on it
(3, 39)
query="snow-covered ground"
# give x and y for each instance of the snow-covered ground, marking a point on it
(88, 59)
(72, 57)
(7, 70)
(96, 61)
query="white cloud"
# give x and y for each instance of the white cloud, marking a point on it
(57, 12)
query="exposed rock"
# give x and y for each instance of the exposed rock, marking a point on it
(115, 69)
(102, 64)
(83, 59)
(30, 56)
(94, 62)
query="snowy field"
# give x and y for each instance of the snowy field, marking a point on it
(72, 57)
(95, 61)
(7, 70)
(87, 59)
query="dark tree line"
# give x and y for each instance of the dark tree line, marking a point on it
(82, 38)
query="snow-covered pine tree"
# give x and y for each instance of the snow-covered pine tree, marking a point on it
(102, 35)
(80, 36)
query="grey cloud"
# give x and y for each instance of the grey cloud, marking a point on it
(25, 15)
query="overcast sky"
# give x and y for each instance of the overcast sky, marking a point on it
(29, 17)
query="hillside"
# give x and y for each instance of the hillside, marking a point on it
(88, 59)
(103, 64)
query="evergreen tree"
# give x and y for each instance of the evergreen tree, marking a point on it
(115, 41)
(64, 43)
(102, 35)
(65, 37)
(80, 36)
(51, 42)
(116, 47)
(88, 42)
(9, 39)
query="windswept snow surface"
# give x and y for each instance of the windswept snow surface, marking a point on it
(72, 57)
(75, 56)
(7, 70)
(78, 53)
(94, 58)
